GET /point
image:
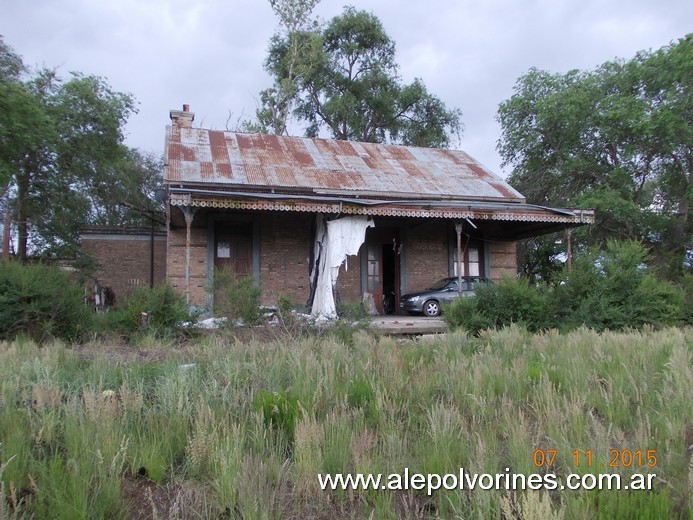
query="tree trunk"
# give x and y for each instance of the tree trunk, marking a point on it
(23, 180)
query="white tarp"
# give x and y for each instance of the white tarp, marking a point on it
(342, 237)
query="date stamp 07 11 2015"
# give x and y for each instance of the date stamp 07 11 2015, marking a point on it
(617, 458)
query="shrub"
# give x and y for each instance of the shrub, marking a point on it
(165, 308)
(515, 301)
(237, 299)
(615, 288)
(41, 302)
(498, 305)
(463, 313)
(610, 289)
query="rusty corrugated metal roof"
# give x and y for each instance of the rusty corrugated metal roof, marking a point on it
(197, 156)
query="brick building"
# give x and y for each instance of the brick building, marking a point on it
(260, 204)
(127, 258)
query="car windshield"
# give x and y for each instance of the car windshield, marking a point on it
(440, 284)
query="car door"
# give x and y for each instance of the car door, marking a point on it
(449, 293)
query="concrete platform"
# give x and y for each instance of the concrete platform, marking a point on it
(393, 324)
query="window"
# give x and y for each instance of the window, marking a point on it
(373, 274)
(472, 259)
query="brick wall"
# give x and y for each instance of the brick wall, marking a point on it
(427, 255)
(124, 257)
(285, 242)
(503, 257)
(285, 245)
(349, 279)
(176, 262)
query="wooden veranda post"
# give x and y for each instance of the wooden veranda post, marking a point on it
(458, 230)
(188, 213)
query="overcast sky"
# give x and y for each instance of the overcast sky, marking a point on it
(209, 53)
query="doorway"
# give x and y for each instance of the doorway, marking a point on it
(382, 268)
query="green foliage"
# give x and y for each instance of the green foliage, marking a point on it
(165, 311)
(541, 258)
(686, 287)
(236, 299)
(497, 305)
(514, 301)
(464, 314)
(615, 289)
(292, 53)
(42, 302)
(62, 158)
(344, 78)
(617, 139)
(353, 317)
(361, 396)
(280, 412)
(611, 289)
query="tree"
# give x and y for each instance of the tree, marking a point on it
(296, 39)
(618, 139)
(63, 163)
(345, 80)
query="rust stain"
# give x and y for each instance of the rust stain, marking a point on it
(206, 170)
(187, 153)
(173, 171)
(453, 157)
(330, 179)
(479, 171)
(255, 174)
(346, 148)
(400, 153)
(412, 169)
(503, 190)
(271, 142)
(218, 145)
(244, 142)
(269, 160)
(224, 170)
(303, 158)
(342, 179)
(174, 152)
(231, 140)
(286, 177)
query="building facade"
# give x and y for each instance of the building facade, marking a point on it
(362, 219)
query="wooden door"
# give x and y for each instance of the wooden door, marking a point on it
(374, 274)
(233, 248)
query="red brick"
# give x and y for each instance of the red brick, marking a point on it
(125, 260)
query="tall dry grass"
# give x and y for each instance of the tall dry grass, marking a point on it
(249, 425)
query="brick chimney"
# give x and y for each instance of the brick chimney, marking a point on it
(182, 118)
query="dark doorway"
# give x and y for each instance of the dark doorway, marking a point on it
(382, 265)
(390, 289)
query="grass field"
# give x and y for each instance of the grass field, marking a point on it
(223, 428)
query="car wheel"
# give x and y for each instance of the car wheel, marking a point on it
(431, 308)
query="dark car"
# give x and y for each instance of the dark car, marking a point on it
(429, 301)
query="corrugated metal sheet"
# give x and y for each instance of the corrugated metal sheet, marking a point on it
(224, 159)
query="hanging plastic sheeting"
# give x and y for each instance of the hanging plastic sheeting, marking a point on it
(341, 237)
